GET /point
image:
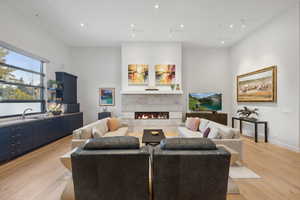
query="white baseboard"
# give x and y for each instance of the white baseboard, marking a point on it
(277, 142)
(286, 146)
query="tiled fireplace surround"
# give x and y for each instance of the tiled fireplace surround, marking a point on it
(173, 104)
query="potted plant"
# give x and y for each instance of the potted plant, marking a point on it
(52, 84)
(55, 109)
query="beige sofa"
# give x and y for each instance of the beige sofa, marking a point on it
(81, 135)
(229, 137)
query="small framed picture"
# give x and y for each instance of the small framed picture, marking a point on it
(107, 96)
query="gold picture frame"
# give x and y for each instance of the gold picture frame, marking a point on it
(258, 86)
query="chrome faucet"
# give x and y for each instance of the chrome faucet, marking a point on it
(27, 109)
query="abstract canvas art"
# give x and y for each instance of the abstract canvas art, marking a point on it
(138, 74)
(106, 96)
(165, 74)
(258, 86)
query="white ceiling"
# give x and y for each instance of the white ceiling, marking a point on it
(107, 22)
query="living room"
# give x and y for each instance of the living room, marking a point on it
(116, 59)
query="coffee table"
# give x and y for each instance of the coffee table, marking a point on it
(148, 138)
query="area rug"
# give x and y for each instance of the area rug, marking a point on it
(241, 172)
(232, 187)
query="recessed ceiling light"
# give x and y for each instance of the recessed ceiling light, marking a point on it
(82, 24)
(181, 25)
(132, 25)
(222, 42)
(231, 26)
(156, 6)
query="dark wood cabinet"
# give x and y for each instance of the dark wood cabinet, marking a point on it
(17, 139)
(103, 115)
(68, 94)
(5, 143)
(220, 118)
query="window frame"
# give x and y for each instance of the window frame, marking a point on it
(41, 86)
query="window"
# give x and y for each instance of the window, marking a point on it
(21, 83)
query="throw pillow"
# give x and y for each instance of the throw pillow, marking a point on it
(192, 123)
(113, 124)
(214, 133)
(96, 133)
(203, 125)
(206, 132)
(187, 144)
(117, 142)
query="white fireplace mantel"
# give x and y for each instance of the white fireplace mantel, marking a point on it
(176, 92)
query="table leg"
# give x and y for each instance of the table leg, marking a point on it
(255, 132)
(266, 132)
(232, 123)
(241, 126)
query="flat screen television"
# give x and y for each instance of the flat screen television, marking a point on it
(205, 101)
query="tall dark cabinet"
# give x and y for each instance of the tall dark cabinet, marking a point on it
(68, 93)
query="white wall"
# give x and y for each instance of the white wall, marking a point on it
(204, 70)
(23, 33)
(95, 68)
(152, 53)
(207, 70)
(277, 43)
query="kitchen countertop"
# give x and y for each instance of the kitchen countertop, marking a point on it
(31, 118)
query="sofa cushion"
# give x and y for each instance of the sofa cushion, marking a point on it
(214, 133)
(203, 125)
(225, 131)
(185, 132)
(120, 132)
(192, 123)
(101, 125)
(96, 133)
(86, 133)
(113, 124)
(187, 144)
(77, 134)
(119, 142)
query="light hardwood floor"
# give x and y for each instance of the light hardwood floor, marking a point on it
(40, 175)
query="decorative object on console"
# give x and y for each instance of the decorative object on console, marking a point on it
(177, 87)
(205, 101)
(165, 74)
(247, 112)
(258, 86)
(107, 96)
(138, 74)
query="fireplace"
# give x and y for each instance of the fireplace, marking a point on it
(151, 115)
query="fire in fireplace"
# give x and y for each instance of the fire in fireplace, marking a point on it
(151, 115)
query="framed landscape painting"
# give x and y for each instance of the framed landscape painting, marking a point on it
(138, 74)
(165, 74)
(258, 86)
(106, 96)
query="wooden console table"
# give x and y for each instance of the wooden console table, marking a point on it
(265, 123)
